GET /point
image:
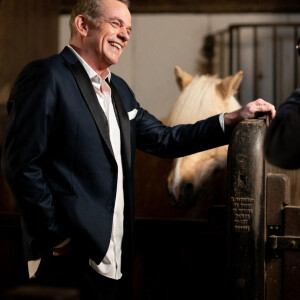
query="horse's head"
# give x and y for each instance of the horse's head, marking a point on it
(201, 97)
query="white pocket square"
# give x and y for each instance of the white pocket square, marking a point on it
(132, 114)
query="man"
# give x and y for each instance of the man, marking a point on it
(69, 154)
(282, 142)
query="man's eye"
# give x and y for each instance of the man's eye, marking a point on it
(116, 23)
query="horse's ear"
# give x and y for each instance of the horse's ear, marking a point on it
(230, 85)
(183, 79)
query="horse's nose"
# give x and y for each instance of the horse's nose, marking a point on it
(186, 190)
(182, 194)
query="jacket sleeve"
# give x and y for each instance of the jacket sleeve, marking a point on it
(282, 141)
(181, 140)
(153, 137)
(31, 107)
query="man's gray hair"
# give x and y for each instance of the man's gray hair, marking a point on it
(90, 9)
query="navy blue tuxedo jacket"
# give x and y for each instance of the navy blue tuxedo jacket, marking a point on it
(58, 159)
(282, 141)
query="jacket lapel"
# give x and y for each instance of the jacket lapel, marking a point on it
(124, 124)
(91, 100)
(90, 97)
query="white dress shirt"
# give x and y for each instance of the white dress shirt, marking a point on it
(111, 263)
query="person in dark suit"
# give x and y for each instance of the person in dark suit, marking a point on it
(69, 154)
(282, 140)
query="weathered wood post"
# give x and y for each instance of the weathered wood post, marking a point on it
(246, 211)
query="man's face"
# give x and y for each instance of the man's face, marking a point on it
(108, 39)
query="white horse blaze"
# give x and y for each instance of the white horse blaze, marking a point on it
(175, 183)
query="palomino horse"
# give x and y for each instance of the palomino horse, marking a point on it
(201, 97)
(201, 174)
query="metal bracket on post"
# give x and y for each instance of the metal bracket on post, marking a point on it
(284, 242)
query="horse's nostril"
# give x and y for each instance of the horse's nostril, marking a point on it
(182, 195)
(186, 190)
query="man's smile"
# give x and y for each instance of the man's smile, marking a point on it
(118, 46)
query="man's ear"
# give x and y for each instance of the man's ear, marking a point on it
(81, 25)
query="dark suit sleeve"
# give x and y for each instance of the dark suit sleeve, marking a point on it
(282, 141)
(31, 109)
(155, 138)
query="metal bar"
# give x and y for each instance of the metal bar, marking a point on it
(238, 49)
(275, 66)
(231, 28)
(222, 61)
(284, 242)
(255, 58)
(295, 58)
(298, 61)
(238, 57)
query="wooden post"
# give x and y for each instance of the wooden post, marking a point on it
(246, 207)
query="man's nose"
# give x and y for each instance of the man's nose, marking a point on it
(123, 34)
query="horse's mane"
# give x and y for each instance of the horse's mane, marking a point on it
(199, 101)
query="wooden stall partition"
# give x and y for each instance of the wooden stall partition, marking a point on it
(263, 221)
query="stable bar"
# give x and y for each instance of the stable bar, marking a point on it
(275, 67)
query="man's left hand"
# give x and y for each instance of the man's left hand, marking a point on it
(251, 111)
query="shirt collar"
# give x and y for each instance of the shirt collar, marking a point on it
(92, 74)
